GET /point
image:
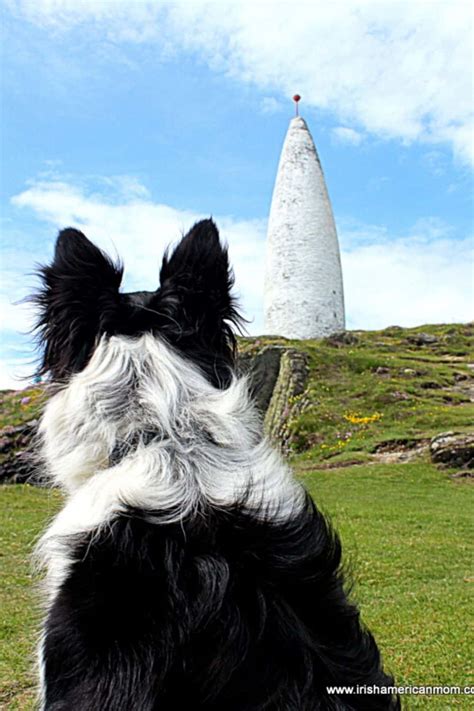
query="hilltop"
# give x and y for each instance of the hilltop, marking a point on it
(369, 394)
(357, 397)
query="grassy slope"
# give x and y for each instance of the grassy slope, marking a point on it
(405, 527)
(416, 396)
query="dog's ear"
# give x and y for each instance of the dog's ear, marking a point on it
(78, 301)
(196, 290)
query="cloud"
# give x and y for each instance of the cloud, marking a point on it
(343, 134)
(139, 230)
(15, 373)
(395, 69)
(421, 276)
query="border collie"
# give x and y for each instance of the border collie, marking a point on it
(187, 569)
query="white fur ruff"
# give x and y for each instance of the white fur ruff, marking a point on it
(208, 447)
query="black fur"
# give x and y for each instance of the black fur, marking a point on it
(228, 609)
(78, 302)
(192, 309)
(220, 612)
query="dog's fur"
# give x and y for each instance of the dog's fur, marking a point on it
(187, 568)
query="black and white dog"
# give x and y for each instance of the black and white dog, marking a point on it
(187, 569)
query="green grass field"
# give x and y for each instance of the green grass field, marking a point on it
(407, 533)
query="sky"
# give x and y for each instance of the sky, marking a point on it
(130, 121)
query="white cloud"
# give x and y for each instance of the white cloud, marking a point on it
(423, 276)
(343, 134)
(138, 230)
(396, 69)
(15, 374)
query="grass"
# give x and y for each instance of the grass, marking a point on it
(18, 406)
(380, 388)
(24, 511)
(406, 528)
(406, 531)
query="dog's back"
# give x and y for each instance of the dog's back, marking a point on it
(187, 569)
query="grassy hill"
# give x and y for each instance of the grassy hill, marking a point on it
(377, 391)
(358, 438)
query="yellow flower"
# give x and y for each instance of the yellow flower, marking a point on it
(356, 419)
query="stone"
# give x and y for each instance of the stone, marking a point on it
(453, 449)
(463, 474)
(16, 444)
(262, 370)
(382, 370)
(288, 398)
(344, 338)
(422, 339)
(398, 395)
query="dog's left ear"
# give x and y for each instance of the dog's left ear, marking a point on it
(196, 289)
(78, 302)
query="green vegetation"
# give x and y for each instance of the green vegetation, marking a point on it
(406, 531)
(406, 527)
(381, 387)
(24, 512)
(19, 406)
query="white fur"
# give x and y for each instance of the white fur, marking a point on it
(209, 447)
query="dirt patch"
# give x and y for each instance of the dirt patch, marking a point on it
(324, 466)
(400, 450)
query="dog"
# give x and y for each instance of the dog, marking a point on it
(188, 569)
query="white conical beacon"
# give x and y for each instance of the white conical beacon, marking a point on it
(303, 295)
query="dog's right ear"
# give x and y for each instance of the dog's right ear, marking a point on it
(78, 302)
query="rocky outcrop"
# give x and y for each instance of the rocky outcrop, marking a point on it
(341, 339)
(453, 449)
(422, 339)
(17, 464)
(278, 376)
(262, 369)
(287, 399)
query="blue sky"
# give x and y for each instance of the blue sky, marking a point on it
(131, 120)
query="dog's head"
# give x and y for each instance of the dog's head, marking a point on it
(193, 310)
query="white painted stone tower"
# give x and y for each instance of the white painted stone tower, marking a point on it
(303, 279)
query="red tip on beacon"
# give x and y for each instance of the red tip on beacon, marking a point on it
(296, 99)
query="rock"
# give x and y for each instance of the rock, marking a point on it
(344, 338)
(262, 370)
(19, 469)
(277, 377)
(16, 447)
(463, 474)
(287, 399)
(382, 370)
(400, 450)
(422, 339)
(430, 385)
(453, 449)
(399, 395)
